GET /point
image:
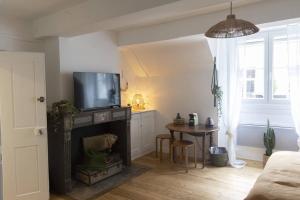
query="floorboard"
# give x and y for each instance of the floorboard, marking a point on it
(166, 181)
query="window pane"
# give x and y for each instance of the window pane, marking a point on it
(280, 83)
(251, 60)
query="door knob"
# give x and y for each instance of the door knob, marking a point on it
(41, 99)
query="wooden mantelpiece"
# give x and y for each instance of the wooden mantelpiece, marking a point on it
(71, 129)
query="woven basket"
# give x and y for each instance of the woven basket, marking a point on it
(218, 156)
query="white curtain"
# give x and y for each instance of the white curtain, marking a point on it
(293, 47)
(230, 81)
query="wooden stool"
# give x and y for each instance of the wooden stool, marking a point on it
(184, 145)
(162, 137)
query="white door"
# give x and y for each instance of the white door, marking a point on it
(148, 132)
(135, 136)
(23, 126)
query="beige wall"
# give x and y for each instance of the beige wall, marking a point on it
(174, 76)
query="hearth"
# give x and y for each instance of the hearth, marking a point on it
(85, 140)
(97, 159)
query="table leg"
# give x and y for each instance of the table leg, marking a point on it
(210, 139)
(203, 150)
(182, 150)
(173, 149)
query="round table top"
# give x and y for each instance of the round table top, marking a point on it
(185, 128)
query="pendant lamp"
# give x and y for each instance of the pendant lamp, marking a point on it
(231, 28)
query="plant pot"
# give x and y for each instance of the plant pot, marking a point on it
(265, 159)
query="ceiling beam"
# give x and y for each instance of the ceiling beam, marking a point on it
(116, 15)
(261, 12)
(80, 17)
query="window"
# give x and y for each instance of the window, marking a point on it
(264, 62)
(251, 58)
(264, 59)
(280, 84)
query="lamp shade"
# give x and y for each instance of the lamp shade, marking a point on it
(231, 28)
(138, 102)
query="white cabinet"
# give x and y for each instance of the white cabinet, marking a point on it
(142, 133)
(135, 133)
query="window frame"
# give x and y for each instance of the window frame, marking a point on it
(268, 67)
(259, 35)
(273, 34)
(257, 111)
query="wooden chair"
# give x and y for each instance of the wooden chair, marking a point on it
(184, 145)
(162, 137)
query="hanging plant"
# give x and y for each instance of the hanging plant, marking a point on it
(216, 89)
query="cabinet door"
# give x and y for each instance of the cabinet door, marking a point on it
(148, 132)
(135, 136)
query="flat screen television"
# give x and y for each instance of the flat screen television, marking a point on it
(94, 90)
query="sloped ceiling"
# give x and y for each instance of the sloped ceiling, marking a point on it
(166, 58)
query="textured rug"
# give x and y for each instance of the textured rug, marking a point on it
(81, 191)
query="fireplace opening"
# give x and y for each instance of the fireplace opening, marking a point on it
(97, 152)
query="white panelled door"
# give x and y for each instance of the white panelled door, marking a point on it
(23, 126)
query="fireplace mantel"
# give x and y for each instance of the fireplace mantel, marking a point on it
(60, 141)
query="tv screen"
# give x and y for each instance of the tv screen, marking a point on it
(96, 90)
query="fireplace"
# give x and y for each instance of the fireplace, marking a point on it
(96, 152)
(66, 146)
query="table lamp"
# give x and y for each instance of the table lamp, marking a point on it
(138, 102)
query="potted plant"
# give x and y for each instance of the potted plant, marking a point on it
(216, 89)
(58, 111)
(269, 142)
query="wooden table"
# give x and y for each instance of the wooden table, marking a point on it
(196, 131)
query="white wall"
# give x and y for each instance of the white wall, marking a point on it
(52, 61)
(95, 52)
(174, 76)
(16, 35)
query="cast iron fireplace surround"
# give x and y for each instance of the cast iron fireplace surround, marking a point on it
(64, 144)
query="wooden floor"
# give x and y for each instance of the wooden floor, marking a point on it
(166, 181)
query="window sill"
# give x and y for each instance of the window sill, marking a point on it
(260, 125)
(258, 114)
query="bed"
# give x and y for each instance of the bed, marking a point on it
(280, 179)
